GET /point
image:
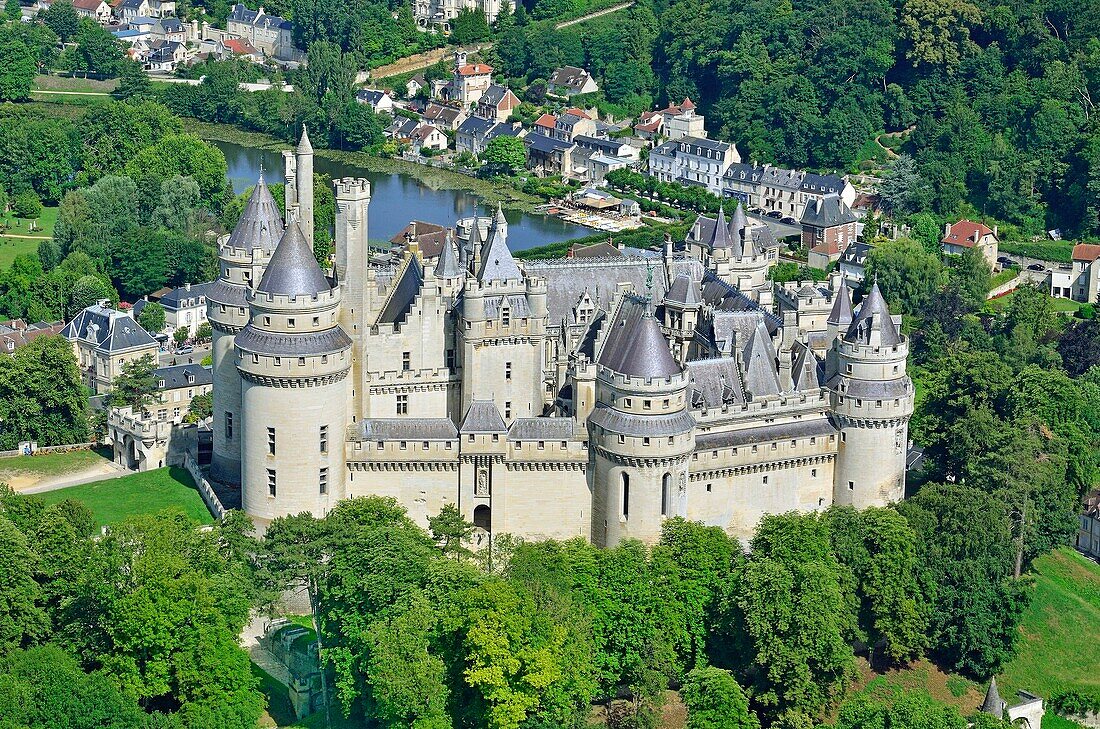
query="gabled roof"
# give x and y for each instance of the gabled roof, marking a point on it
(635, 345)
(240, 46)
(873, 316)
(483, 417)
(178, 296)
(188, 375)
(87, 5)
(546, 121)
(293, 269)
(966, 233)
(546, 144)
(497, 96)
(827, 212)
(684, 290)
(403, 293)
(570, 76)
(1086, 252)
(260, 224)
(476, 126)
(806, 375)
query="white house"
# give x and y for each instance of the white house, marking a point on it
(379, 101)
(571, 81)
(693, 161)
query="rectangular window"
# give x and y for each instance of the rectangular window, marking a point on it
(765, 479)
(851, 485)
(290, 323)
(449, 357)
(316, 321)
(270, 441)
(322, 480)
(402, 404)
(406, 361)
(229, 426)
(324, 439)
(508, 410)
(813, 473)
(507, 370)
(301, 361)
(271, 482)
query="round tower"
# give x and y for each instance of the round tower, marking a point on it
(242, 258)
(641, 433)
(293, 358)
(871, 402)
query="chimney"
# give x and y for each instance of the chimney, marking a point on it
(187, 287)
(946, 229)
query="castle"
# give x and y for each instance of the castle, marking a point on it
(589, 397)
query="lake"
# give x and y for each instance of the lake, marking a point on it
(397, 198)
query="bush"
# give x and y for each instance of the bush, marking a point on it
(1074, 702)
(26, 205)
(1087, 311)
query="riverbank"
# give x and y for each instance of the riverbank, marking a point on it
(432, 177)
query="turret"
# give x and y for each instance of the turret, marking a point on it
(242, 258)
(305, 186)
(681, 306)
(352, 200)
(640, 431)
(293, 358)
(871, 402)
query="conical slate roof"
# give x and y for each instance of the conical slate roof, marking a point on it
(292, 270)
(260, 224)
(636, 347)
(761, 377)
(498, 217)
(873, 316)
(993, 704)
(497, 263)
(841, 314)
(740, 235)
(304, 147)
(684, 290)
(448, 265)
(720, 238)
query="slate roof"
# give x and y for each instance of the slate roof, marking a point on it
(761, 377)
(496, 94)
(761, 236)
(223, 292)
(546, 145)
(182, 297)
(483, 417)
(841, 313)
(720, 233)
(541, 429)
(808, 371)
(713, 382)
(617, 422)
(251, 339)
(684, 290)
(175, 377)
(370, 96)
(260, 224)
(993, 704)
(448, 265)
(569, 76)
(635, 345)
(873, 315)
(476, 126)
(108, 330)
(827, 212)
(403, 293)
(405, 429)
(293, 269)
(497, 263)
(569, 278)
(765, 434)
(856, 254)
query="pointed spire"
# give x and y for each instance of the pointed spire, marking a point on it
(260, 224)
(498, 217)
(293, 270)
(873, 317)
(447, 265)
(739, 227)
(720, 237)
(841, 315)
(993, 704)
(497, 263)
(304, 147)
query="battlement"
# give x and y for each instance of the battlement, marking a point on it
(279, 302)
(352, 187)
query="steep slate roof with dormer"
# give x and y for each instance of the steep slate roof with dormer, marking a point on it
(178, 376)
(635, 345)
(497, 263)
(293, 269)
(827, 212)
(261, 223)
(107, 329)
(873, 314)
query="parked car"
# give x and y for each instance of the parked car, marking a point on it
(774, 214)
(185, 349)
(1005, 261)
(757, 211)
(1036, 267)
(789, 220)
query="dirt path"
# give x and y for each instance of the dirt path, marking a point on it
(36, 483)
(71, 93)
(420, 60)
(891, 154)
(26, 237)
(590, 16)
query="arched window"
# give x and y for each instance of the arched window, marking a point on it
(666, 494)
(483, 517)
(626, 495)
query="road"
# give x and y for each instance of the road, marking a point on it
(781, 230)
(590, 16)
(168, 359)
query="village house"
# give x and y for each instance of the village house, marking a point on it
(183, 307)
(680, 120)
(440, 13)
(853, 263)
(598, 156)
(475, 133)
(104, 340)
(828, 227)
(16, 333)
(169, 29)
(549, 156)
(570, 81)
(237, 48)
(414, 85)
(776, 189)
(425, 136)
(127, 11)
(1083, 279)
(695, 161)
(496, 104)
(97, 10)
(573, 123)
(444, 117)
(165, 56)
(649, 125)
(380, 102)
(401, 128)
(969, 234)
(272, 35)
(470, 81)
(1088, 536)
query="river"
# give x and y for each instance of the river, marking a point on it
(397, 198)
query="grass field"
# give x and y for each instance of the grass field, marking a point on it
(115, 499)
(11, 246)
(1057, 303)
(1059, 644)
(66, 83)
(1060, 251)
(51, 464)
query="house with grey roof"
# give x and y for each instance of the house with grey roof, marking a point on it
(379, 101)
(693, 161)
(496, 104)
(571, 81)
(104, 340)
(272, 35)
(828, 227)
(782, 190)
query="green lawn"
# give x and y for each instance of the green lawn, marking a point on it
(115, 499)
(1059, 644)
(11, 246)
(48, 465)
(1060, 251)
(1057, 303)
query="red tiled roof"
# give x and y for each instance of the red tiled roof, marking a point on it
(546, 120)
(89, 5)
(475, 69)
(686, 105)
(1086, 252)
(577, 112)
(966, 233)
(239, 46)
